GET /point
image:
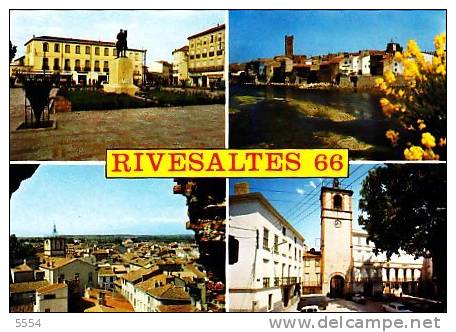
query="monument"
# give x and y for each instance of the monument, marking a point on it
(121, 69)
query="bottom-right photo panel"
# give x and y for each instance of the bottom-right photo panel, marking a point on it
(375, 241)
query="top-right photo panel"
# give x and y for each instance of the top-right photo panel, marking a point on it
(374, 82)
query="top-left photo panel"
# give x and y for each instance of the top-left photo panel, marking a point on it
(83, 81)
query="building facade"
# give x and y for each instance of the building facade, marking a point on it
(180, 66)
(51, 298)
(348, 263)
(79, 60)
(206, 60)
(265, 255)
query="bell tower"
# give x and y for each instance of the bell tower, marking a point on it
(336, 239)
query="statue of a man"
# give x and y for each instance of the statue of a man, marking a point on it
(121, 44)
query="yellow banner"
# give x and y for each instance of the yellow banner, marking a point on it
(161, 163)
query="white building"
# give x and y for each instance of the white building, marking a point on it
(365, 64)
(51, 298)
(373, 273)
(265, 264)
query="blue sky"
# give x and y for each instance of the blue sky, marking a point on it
(81, 201)
(260, 33)
(298, 199)
(158, 31)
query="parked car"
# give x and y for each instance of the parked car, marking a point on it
(358, 298)
(395, 307)
(312, 303)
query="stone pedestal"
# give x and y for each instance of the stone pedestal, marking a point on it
(121, 77)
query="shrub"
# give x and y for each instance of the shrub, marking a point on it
(418, 108)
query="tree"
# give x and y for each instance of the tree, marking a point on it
(416, 102)
(19, 250)
(404, 207)
(13, 50)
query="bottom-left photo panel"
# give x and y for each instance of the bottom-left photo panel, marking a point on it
(80, 242)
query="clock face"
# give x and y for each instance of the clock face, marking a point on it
(337, 223)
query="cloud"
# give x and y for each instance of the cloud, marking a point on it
(300, 191)
(312, 184)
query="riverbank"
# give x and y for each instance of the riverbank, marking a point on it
(288, 117)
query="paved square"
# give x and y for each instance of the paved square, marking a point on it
(87, 135)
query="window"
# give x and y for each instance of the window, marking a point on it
(269, 302)
(56, 64)
(233, 250)
(265, 238)
(276, 244)
(87, 65)
(295, 239)
(337, 202)
(105, 66)
(90, 278)
(77, 65)
(56, 47)
(78, 49)
(49, 296)
(114, 52)
(45, 47)
(87, 49)
(97, 65)
(284, 231)
(212, 38)
(295, 254)
(67, 64)
(97, 50)
(317, 263)
(266, 282)
(307, 263)
(67, 48)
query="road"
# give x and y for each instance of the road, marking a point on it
(341, 305)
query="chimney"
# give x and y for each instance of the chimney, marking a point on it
(101, 298)
(241, 188)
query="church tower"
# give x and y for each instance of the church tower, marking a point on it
(336, 239)
(54, 246)
(289, 46)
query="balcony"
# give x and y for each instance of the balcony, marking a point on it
(206, 69)
(97, 69)
(56, 67)
(67, 68)
(106, 70)
(87, 68)
(77, 68)
(45, 67)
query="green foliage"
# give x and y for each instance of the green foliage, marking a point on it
(12, 51)
(19, 249)
(85, 100)
(185, 98)
(89, 100)
(404, 207)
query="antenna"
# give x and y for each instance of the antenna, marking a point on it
(54, 231)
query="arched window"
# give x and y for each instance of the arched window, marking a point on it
(337, 202)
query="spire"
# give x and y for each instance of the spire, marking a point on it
(336, 183)
(54, 231)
